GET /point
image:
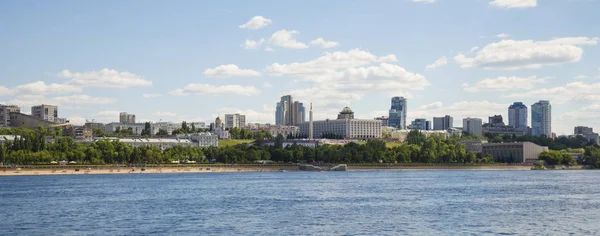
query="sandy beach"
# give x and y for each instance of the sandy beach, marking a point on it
(82, 170)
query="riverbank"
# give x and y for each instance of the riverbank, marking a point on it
(82, 170)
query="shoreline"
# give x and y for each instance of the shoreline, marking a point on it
(83, 170)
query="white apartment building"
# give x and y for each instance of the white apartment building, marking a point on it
(275, 130)
(205, 139)
(472, 126)
(45, 112)
(113, 127)
(159, 143)
(167, 126)
(348, 128)
(235, 121)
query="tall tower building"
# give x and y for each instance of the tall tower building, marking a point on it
(310, 123)
(517, 115)
(541, 118)
(45, 112)
(397, 115)
(289, 112)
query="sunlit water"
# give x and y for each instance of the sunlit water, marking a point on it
(304, 203)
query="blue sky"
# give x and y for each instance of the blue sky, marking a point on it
(193, 60)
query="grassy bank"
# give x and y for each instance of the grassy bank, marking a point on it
(233, 142)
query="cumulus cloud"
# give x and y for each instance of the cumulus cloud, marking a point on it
(84, 99)
(473, 49)
(504, 83)
(338, 78)
(513, 3)
(324, 44)
(41, 88)
(579, 92)
(435, 105)
(151, 95)
(439, 62)
(207, 89)
(165, 113)
(513, 54)
(256, 22)
(502, 35)
(230, 70)
(105, 78)
(286, 39)
(252, 44)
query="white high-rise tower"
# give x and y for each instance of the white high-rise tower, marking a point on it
(310, 123)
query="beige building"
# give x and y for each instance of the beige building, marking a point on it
(345, 126)
(127, 118)
(513, 152)
(402, 134)
(45, 112)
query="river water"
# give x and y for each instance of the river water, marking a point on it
(304, 203)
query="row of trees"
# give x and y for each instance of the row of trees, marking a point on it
(560, 143)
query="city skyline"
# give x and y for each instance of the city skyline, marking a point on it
(237, 58)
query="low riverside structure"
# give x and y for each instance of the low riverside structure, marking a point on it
(147, 142)
(513, 152)
(474, 145)
(275, 130)
(8, 138)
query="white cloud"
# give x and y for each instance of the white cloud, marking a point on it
(84, 99)
(285, 39)
(40, 88)
(581, 77)
(439, 62)
(514, 3)
(4, 91)
(579, 92)
(151, 95)
(164, 113)
(207, 89)
(435, 105)
(512, 54)
(77, 120)
(269, 49)
(473, 49)
(324, 44)
(224, 71)
(257, 22)
(504, 83)
(502, 35)
(265, 115)
(424, 1)
(328, 62)
(267, 85)
(105, 78)
(25, 101)
(252, 44)
(338, 78)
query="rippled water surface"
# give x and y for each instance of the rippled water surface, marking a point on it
(304, 203)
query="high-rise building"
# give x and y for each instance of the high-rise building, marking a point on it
(45, 112)
(235, 120)
(443, 123)
(472, 126)
(383, 119)
(126, 118)
(541, 118)
(420, 124)
(397, 115)
(289, 112)
(5, 111)
(517, 115)
(496, 121)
